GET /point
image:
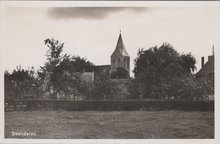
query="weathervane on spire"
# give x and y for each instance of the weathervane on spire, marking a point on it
(120, 31)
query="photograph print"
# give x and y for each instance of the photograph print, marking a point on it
(109, 72)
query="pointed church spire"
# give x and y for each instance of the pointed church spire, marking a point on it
(120, 43)
(120, 57)
(120, 48)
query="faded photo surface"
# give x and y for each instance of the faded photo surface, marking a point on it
(109, 72)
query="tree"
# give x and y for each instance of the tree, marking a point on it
(134, 89)
(162, 72)
(61, 73)
(54, 52)
(159, 58)
(76, 64)
(72, 67)
(21, 84)
(51, 68)
(188, 62)
(120, 73)
(10, 91)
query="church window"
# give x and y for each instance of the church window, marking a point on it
(125, 62)
(118, 59)
(113, 60)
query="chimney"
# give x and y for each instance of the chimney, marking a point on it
(202, 60)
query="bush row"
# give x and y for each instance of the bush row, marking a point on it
(113, 105)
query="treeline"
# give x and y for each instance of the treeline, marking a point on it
(60, 77)
(160, 73)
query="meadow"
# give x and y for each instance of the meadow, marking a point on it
(167, 124)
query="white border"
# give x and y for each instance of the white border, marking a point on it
(112, 3)
(108, 4)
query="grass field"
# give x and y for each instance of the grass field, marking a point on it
(103, 125)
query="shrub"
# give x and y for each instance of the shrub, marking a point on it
(103, 105)
(120, 73)
(103, 88)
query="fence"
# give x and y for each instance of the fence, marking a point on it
(113, 105)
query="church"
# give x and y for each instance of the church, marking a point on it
(119, 59)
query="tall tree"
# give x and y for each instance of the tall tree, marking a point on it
(159, 69)
(62, 72)
(51, 72)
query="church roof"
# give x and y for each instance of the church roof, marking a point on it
(120, 48)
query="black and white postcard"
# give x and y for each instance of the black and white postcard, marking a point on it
(109, 72)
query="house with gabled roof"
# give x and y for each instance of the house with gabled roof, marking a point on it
(207, 69)
(207, 72)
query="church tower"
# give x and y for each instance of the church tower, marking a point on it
(120, 57)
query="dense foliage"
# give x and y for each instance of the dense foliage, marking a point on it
(164, 59)
(120, 73)
(21, 84)
(104, 88)
(59, 77)
(161, 72)
(118, 105)
(61, 74)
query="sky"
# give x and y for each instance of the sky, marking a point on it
(92, 32)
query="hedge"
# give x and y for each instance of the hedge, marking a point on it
(110, 105)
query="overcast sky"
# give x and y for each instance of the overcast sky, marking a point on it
(92, 32)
